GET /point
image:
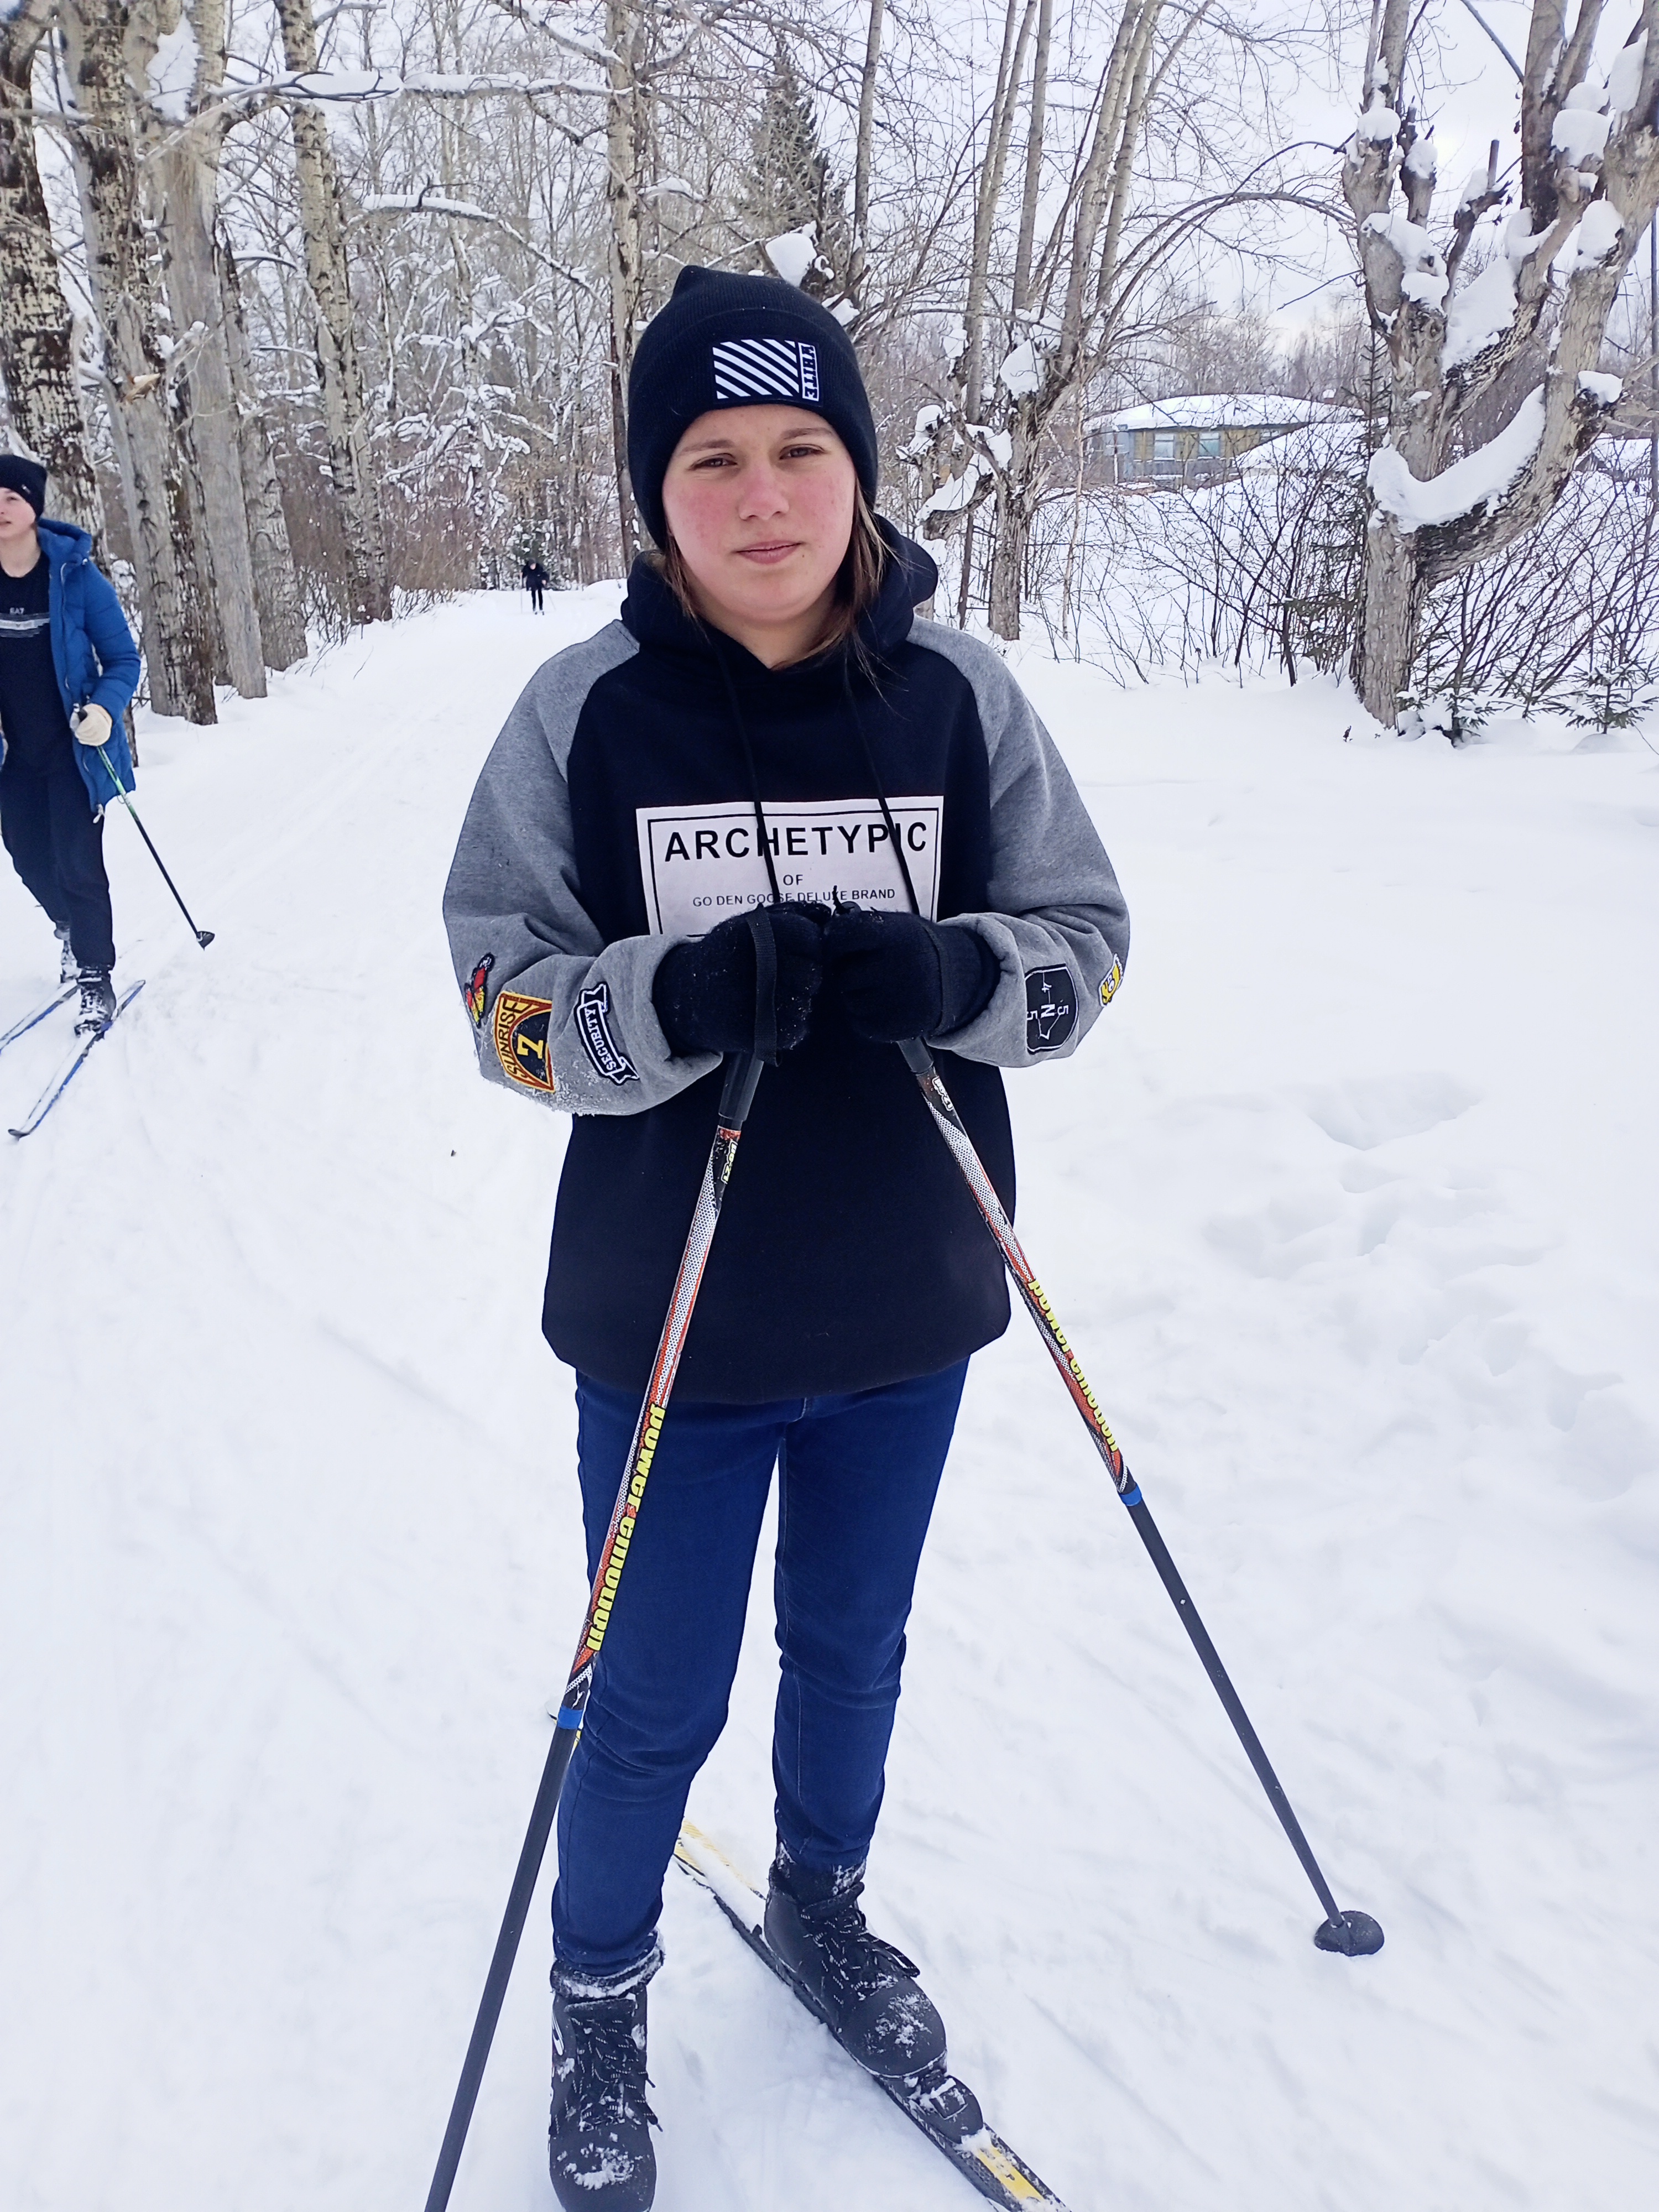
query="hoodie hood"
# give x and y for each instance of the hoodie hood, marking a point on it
(64, 541)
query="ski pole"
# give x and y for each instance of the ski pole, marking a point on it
(204, 937)
(742, 1074)
(1355, 1935)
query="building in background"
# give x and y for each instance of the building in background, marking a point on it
(1174, 445)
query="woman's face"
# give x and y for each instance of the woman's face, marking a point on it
(760, 503)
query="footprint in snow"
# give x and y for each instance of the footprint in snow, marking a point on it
(1373, 1110)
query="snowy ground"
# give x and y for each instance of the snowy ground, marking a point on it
(1349, 1205)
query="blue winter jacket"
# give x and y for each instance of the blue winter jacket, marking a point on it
(92, 652)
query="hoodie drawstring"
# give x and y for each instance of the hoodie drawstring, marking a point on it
(864, 747)
(754, 776)
(881, 789)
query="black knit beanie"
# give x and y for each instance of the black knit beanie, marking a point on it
(739, 342)
(26, 477)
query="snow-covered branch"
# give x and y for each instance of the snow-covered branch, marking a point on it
(324, 88)
(1446, 488)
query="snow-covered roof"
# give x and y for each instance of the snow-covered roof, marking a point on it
(1219, 411)
(1335, 442)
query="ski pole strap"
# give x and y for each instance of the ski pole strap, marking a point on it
(766, 984)
(743, 1075)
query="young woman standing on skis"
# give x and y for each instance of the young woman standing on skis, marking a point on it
(767, 728)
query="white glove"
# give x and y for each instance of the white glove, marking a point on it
(93, 725)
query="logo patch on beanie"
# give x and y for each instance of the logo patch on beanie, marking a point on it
(766, 368)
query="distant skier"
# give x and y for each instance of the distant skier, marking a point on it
(68, 667)
(535, 582)
(768, 731)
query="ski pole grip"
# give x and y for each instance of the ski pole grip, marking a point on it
(917, 1058)
(743, 1073)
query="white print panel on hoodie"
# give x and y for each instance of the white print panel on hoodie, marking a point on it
(702, 865)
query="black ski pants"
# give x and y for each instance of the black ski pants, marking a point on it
(58, 849)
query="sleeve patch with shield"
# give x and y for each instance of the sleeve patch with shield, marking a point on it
(520, 1035)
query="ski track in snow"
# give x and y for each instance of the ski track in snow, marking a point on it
(1348, 1208)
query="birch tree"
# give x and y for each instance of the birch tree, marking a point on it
(1031, 346)
(276, 587)
(863, 153)
(108, 48)
(1581, 193)
(184, 84)
(344, 413)
(36, 330)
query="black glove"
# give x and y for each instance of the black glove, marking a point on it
(899, 976)
(706, 995)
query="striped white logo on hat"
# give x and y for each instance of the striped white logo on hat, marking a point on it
(766, 368)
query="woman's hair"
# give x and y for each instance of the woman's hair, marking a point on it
(858, 581)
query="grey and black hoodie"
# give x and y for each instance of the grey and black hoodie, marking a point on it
(616, 816)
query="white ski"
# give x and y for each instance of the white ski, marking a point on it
(77, 1060)
(983, 2159)
(28, 1021)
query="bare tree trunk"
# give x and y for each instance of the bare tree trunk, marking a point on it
(186, 182)
(183, 182)
(1028, 212)
(862, 154)
(625, 146)
(1015, 486)
(125, 274)
(37, 333)
(346, 415)
(1005, 428)
(275, 589)
(1016, 30)
(1387, 643)
(1123, 100)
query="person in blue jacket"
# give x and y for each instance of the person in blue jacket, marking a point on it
(68, 667)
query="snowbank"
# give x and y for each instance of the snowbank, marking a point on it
(1348, 1209)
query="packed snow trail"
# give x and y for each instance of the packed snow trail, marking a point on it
(1348, 1206)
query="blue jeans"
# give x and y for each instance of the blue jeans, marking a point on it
(859, 1474)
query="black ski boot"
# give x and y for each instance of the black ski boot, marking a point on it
(97, 1002)
(598, 2138)
(865, 1991)
(69, 968)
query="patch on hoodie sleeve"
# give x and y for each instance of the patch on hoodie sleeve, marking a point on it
(520, 1037)
(477, 988)
(1050, 1008)
(593, 1027)
(1109, 988)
